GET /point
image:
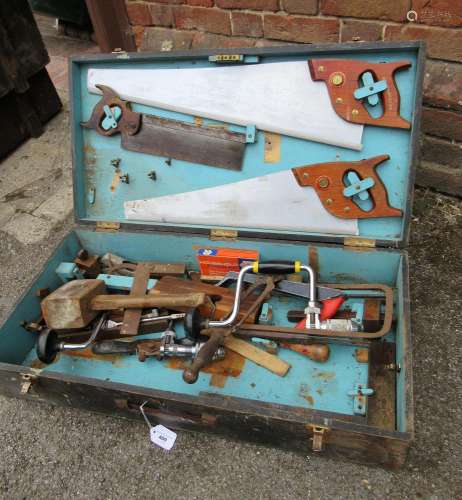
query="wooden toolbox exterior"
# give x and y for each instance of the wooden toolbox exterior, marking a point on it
(314, 406)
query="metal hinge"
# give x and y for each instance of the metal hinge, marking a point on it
(353, 241)
(223, 235)
(318, 433)
(107, 226)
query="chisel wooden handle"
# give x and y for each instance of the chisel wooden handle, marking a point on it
(204, 357)
(316, 352)
(169, 301)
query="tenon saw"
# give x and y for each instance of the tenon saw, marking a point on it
(215, 146)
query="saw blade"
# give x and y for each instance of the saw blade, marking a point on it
(295, 288)
(213, 146)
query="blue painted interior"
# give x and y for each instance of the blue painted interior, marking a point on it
(308, 384)
(94, 152)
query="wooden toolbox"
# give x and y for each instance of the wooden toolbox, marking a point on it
(300, 153)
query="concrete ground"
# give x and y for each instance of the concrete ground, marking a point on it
(49, 452)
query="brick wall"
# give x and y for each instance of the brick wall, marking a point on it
(196, 24)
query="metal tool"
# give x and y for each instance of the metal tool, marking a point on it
(317, 333)
(48, 344)
(223, 335)
(194, 322)
(349, 100)
(221, 331)
(214, 146)
(295, 288)
(146, 318)
(347, 201)
(166, 346)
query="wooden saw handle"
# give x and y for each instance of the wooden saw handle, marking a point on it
(327, 180)
(342, 76)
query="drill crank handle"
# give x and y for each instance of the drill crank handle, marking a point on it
(268, 268)
(204, 357)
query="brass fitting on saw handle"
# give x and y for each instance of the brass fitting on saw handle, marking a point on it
(194, 323)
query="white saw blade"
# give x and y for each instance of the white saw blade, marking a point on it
(273, 201)
(276, 97)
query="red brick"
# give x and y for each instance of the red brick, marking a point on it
(447, 13)
(301, 29)
(163, 39)
(273, 43)
(361, 30)
(139, 13)
(442, 123)
(161, 15)
(246, 24)
(272, 5)
(212, 20)
(209, 41)
(440, 151)
(169, 2)
(309, 7)
(441, 43)
(200, 3)
(393, 10)
(443, 85)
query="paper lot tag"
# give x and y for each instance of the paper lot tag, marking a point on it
(163, 437)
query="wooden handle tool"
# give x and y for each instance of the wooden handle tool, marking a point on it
(316, 352)
(169, 301)
(203, 358)
(258, 356)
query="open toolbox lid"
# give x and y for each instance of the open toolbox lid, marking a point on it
(281, 108)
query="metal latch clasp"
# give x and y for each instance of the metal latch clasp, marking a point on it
(318, 431)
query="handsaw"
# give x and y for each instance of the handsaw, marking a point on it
(278, 97)
(143, 133)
